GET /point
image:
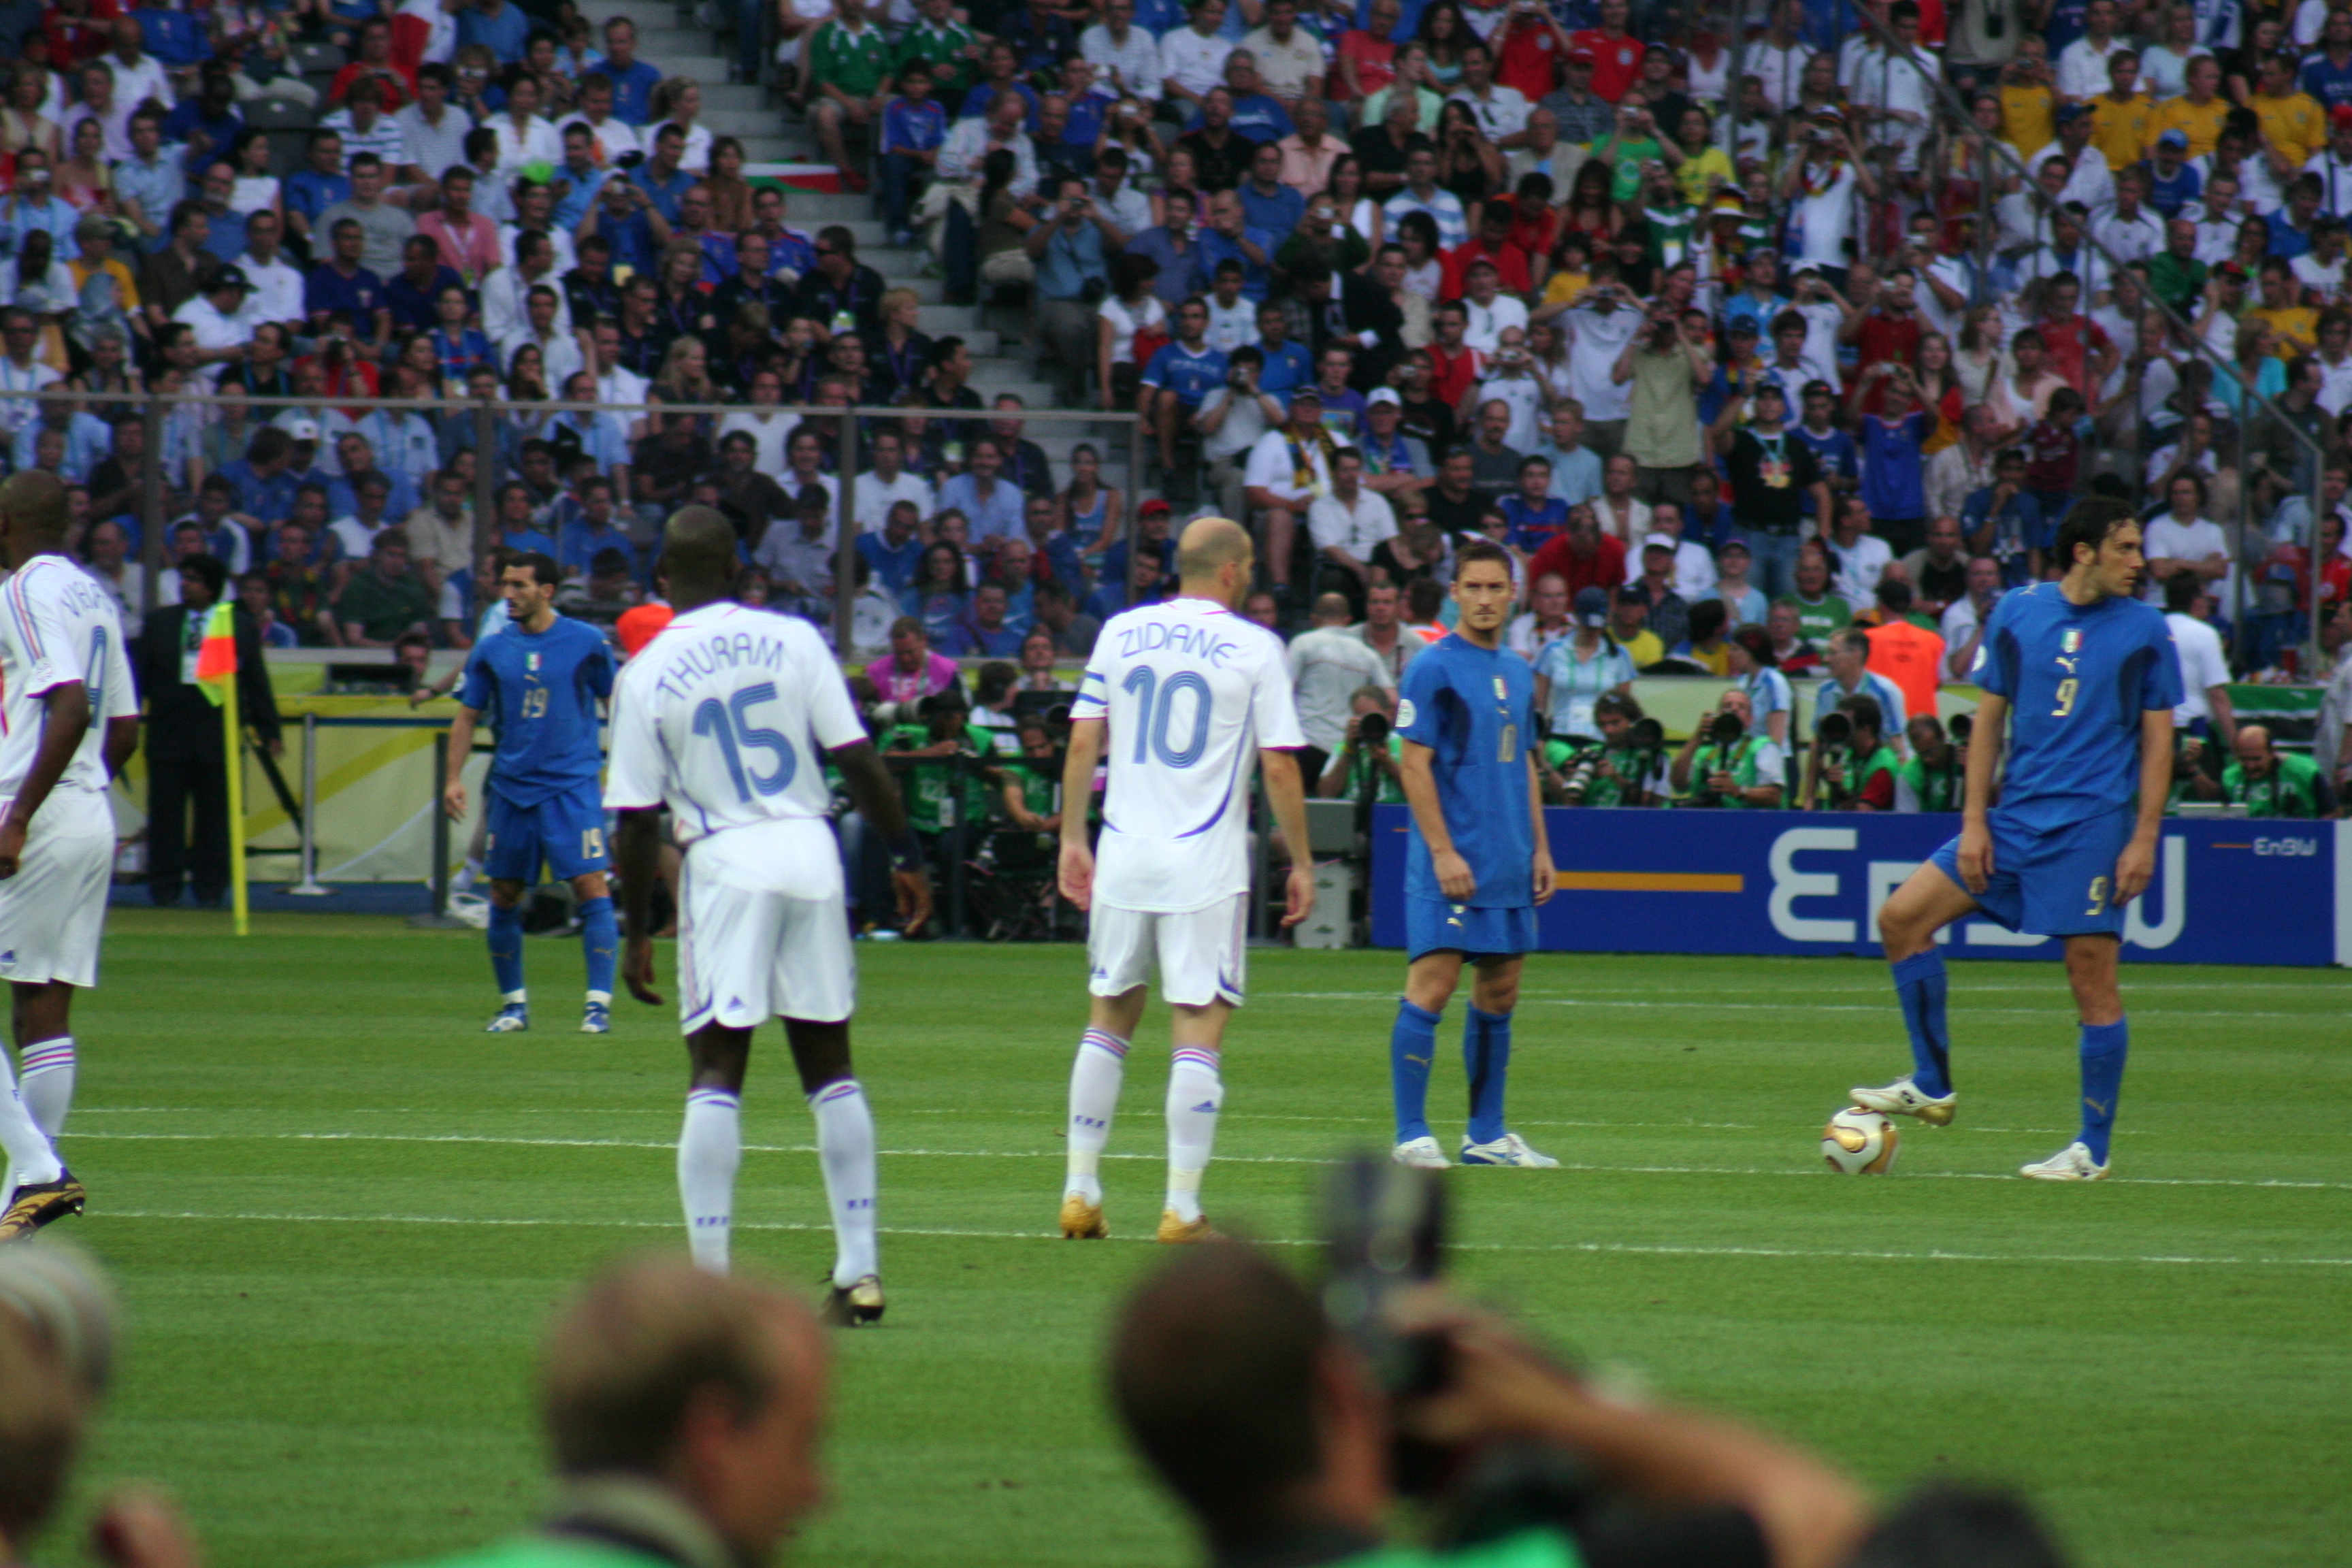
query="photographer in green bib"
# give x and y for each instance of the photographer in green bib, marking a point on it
(951, 789)
(2271, 783)
(1935, 775)
(1726, 764)
(1856, 767)
(1621, 767)
(1369, 753)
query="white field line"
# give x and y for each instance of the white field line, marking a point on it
(1651, 999)
(1629, 1249)
(667, 1145)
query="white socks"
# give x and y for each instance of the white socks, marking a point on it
(1094, 1080)
(845, 1147)
(1194, 1094)
(32, 1159)
(709, 1147)
(48, 1086)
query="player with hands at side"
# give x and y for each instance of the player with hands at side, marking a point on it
(2083, 678)
(1176, 701)
(726, 718)
(539, 682)
(68, 720)
(1477, 862)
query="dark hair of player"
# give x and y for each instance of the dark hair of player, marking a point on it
(539, 563)
(1480, 550)
(2088, 524)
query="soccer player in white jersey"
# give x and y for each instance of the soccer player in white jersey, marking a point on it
(1179, 699)
(726, 717)
(69, 720)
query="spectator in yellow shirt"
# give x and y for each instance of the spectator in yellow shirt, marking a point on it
(2197, 113)
(2029, 107)
(2292, 122)
(2120, 116)
(2294, 326)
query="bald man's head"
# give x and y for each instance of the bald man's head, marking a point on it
(1213, 558)
(1331, 610)
(32, 514)
(698, 543)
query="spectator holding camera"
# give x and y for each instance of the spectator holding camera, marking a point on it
(1274, 1433)
(1369, 754)
(1852, 768)
(1933, 776)
(1625, 767)
(1726, 763)
(1329, 667)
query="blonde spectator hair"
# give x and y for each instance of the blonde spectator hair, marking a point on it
(894, 297)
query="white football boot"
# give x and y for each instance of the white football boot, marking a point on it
(2071, 1163)
(1510, 1149)
(1421, 1154)
(1902, 1098)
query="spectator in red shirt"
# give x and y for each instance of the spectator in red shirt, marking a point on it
(1493, 243)
(1529, 49)
(1887, 332)
(1616, 53)
(1454, 365)
(374, 62)
(2078, 351)
(2054, 452)
(1583, 556)
(1367, 60)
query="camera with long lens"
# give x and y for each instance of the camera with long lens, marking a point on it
(1583, 764)
(1834, 740)
(1372, 730)
(1724, 731)
(1960, 727)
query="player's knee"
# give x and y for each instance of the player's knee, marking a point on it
(506, 895)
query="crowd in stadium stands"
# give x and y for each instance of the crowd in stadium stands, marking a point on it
(1776, 371)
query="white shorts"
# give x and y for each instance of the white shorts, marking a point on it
(1200, 951)
(746, 956)
(53, 910)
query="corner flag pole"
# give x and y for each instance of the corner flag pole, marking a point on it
(234, 751)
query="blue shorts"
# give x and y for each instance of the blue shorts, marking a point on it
(1433, 925)
(2060, 882)
(566, 830)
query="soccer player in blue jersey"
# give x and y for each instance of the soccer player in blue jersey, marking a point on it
(537, 683)
(2083, 678)
(1476, 861)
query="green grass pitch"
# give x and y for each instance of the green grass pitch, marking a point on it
(339, 1212)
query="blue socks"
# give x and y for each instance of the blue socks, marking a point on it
(1486, 1062)
(1412, 1046)
(2104, 1047)
(600, 934)
(506, 950)
(1922, 987)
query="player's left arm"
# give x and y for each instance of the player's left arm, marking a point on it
(2136, 866)
(636, 858)
(1543, 869)
(65, 721)
(122, 741)
(877, 796)
(1288, 796)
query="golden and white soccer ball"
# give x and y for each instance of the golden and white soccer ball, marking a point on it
(1859, 1142)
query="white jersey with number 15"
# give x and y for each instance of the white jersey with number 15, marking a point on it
(725, 716)
(1192, 692)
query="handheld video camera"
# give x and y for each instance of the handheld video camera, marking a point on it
(1833, 739)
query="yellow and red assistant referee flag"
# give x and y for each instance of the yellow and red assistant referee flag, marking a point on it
(217, 678)
(216, 655)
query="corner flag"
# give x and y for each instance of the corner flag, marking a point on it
(217, 678)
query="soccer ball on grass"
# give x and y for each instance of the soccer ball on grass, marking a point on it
(1859, 1142)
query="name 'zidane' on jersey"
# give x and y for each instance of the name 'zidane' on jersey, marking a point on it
(1192, 693)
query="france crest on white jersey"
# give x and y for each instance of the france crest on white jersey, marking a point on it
(725, 716)
(58, 625)
(1192, 693)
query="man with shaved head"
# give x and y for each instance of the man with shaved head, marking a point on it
(1176, 699)
(727, 718)
(68, 720)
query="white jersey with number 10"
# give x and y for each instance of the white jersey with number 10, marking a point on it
(1192, 692)
(725, 716)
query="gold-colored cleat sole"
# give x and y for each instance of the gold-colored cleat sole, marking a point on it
(1172, 1230)
(37, 1207)
(1936, 1115)
(855, 1305)
(1082, 1221)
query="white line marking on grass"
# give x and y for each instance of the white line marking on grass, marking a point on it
(1646, 999)
(667, 1145)
(1629, 1248)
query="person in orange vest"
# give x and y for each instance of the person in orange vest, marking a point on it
(1906, 654)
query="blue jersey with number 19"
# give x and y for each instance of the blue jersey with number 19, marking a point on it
(2077, 679)
(1192, 693)
(1474, 707)
(723, 716)
(539, 690)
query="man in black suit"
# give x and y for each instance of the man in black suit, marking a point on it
(186, 752)
(1354, 312)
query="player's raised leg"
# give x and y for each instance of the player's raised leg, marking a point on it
(1928, 901)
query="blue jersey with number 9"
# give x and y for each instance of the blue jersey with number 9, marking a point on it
(538, 691)
(1474, 709)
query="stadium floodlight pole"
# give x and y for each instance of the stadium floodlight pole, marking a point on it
(2182, 329)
